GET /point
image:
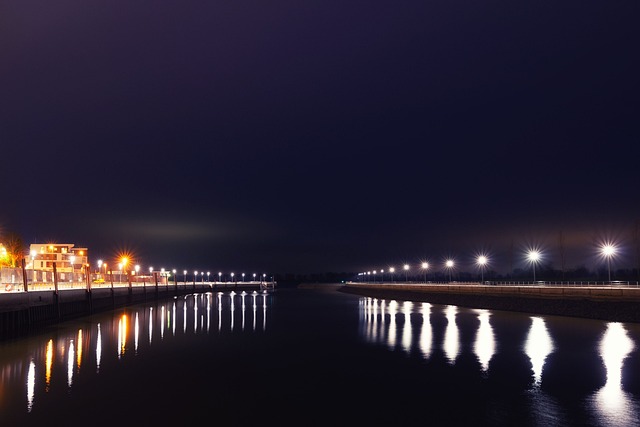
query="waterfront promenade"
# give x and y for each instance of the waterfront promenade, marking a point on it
(612, 302)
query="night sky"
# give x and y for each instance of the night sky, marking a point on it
(317, 136)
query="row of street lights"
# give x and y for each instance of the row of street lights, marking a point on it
(122, 265)
(533, 256)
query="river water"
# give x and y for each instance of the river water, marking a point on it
(320, 357)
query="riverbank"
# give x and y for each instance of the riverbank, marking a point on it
(593, 303)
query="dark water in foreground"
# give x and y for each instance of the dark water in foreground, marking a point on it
(320, 357)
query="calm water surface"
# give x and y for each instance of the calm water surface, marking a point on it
(321, 357)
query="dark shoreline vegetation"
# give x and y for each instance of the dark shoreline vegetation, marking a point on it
(613, 311)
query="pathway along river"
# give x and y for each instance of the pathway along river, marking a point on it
(321, 357)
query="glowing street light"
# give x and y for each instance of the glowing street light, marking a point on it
(175, 277)
(243, 277)
(33, 266)
(608, 250)
(219, 276)
(449, 264)
(406, 270)
(208, 273)
(254, 277)
(392, 270)
(534, 257)
(381, 275)
(184, 276)
(482, 261)
(425, 267)
(232, 274)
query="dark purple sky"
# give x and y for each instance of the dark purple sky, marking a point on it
(291, 136)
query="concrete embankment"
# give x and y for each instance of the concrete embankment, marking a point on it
(604, 303)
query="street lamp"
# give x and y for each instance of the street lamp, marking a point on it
(254, 277)
(608, 250)
(208, 273)
(449, 264)
(33, 268)
(243, 277)
(406, 270)
(425, 267)
(219, 276)
(232, 274)
(381, 275)
(175, 277)
(374, 276)
(99, 266)
(392, 270)
(533, 256)
(184, 276)
(482, 261)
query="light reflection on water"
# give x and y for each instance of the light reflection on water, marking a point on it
(206, 351)
(69, 350)
(485, 344)
(610, 405)
(538, 346)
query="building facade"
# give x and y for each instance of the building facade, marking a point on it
(66, 257)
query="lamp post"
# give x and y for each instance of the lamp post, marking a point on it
(392, 270)
(243, 277)
(175, 278)
(232, 274)
(72, 260)
(33, 267)
(254, 277)
(425, 267)
(219, 276)
(381, 275)
(184, 276)
(406, 272)
(482, 261)
(449, 264)
(533, 256)
(608, 250)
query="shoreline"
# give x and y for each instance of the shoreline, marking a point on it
(613, 310)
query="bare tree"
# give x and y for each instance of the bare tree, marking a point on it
(15, 248)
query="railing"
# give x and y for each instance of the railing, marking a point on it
(576, 283)
(12, 280)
